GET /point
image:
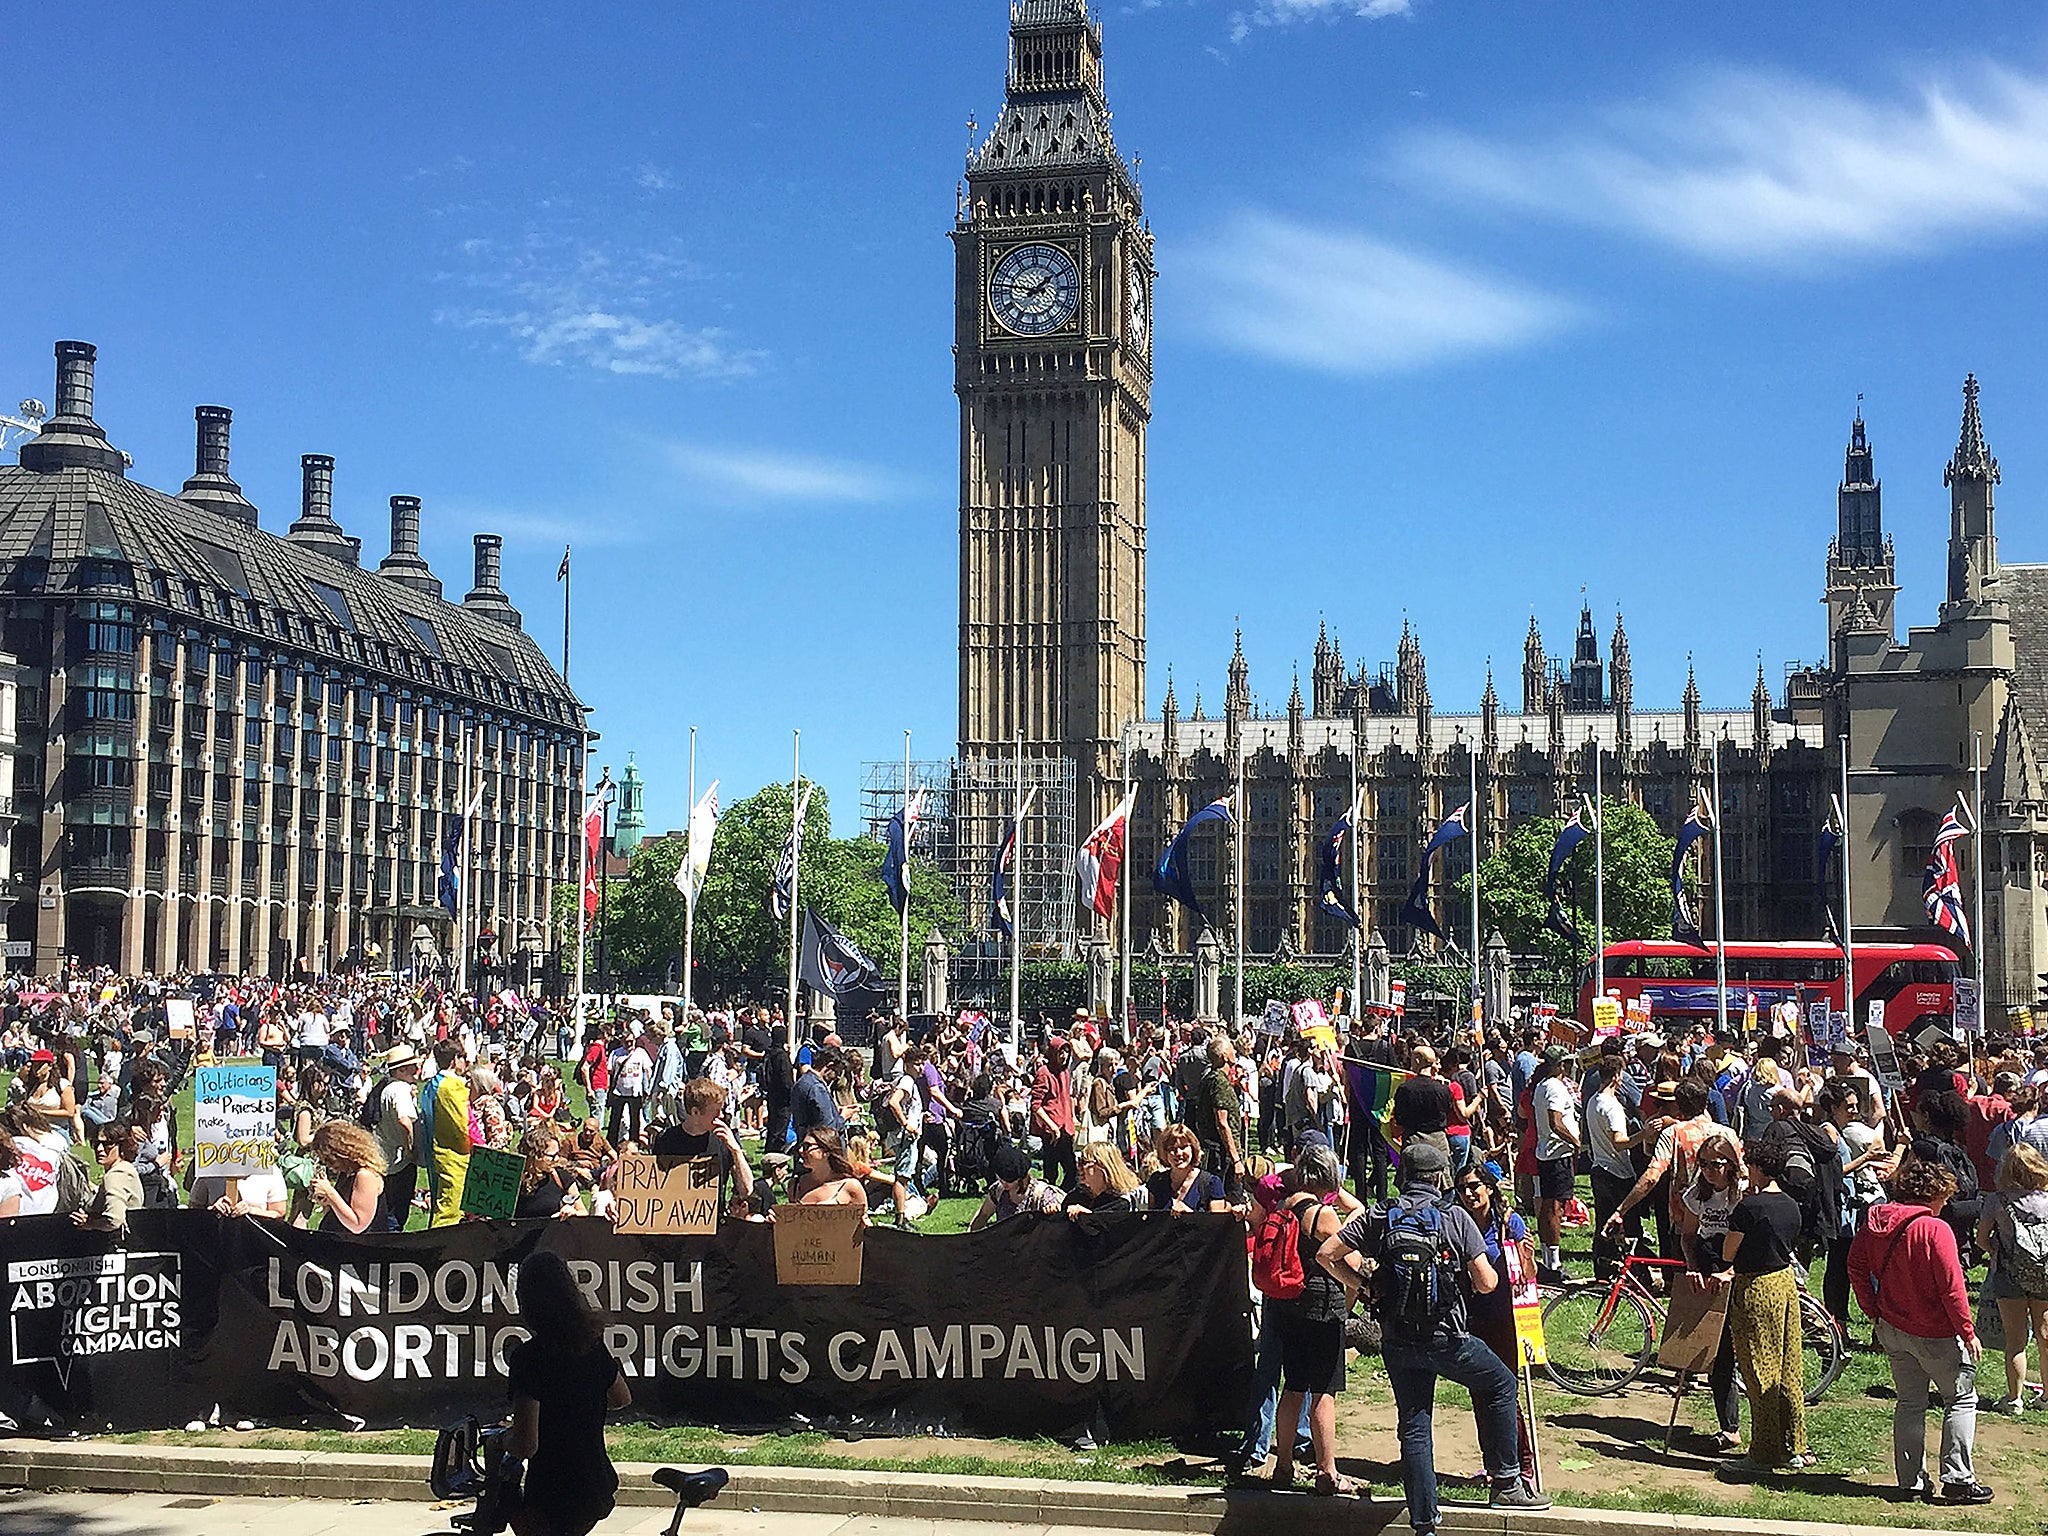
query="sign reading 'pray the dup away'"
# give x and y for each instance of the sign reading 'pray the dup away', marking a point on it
(665, 1196)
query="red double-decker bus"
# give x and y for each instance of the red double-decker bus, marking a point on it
(1916, 982)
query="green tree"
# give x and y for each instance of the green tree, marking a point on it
(1636, 860)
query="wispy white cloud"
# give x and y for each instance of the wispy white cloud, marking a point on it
(770, 475)
(1747, 168)
(563, 301)
(1273, 13)
(1340, 302)
(649, 177)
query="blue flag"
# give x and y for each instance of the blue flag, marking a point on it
(1335, 897)
(1173, 877)
(448, 889)
(896, 862)
(830, 961)
(1573, 833)
(999, 883)
(1685, 929)
(1415, 913)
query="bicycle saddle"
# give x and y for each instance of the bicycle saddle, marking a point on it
(691, 1488)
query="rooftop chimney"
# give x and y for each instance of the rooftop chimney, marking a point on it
(487, 597)
(316, 528)
(404, 565)
(71, 439)
(210, 486)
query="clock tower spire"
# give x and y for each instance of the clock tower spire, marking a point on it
(1053, 369)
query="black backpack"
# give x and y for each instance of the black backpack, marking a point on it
(1811, 1175)
(370, 1113)
(974, 1149)
(1417, 1281)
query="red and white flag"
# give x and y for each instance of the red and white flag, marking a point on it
(593, 830)
(1101, 858)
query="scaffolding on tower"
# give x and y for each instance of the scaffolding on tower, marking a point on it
(967, 809)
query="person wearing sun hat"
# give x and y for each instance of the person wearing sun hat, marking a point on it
(396, 1127)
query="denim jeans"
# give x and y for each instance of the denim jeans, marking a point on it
(1258, 1428)
(1413, 1369)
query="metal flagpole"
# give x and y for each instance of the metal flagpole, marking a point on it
(1720, 912)
(1472, 835)
(1124, 890)
(1358, 928)
(796, 781)
(1599, 881)
(462, 878)
(1848, 921)
(582, 873)
(903, 917)
(1977, 836)
(1017, 908)
(689, 901)
(1237, 868)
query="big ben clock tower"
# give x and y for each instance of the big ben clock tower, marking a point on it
(1053, 366)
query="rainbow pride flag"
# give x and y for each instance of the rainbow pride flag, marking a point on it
(1372, 1087)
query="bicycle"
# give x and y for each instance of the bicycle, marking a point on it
(1600, 1335)
(470, 1462)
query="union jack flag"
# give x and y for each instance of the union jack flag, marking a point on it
(1941, 887)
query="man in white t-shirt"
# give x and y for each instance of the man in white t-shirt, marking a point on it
(309, 1036)
(1557, 1146)
(1608, 1142)
(397, 1116)
(632, 1077)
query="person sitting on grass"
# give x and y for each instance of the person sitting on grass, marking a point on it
(830, 1174)
(703, 1132)
(1108, 1187)
(1014, 1192)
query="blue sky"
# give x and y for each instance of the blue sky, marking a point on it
(1460, 307)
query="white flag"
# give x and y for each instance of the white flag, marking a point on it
(697, 845)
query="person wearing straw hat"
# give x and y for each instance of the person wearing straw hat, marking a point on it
(395, 1119)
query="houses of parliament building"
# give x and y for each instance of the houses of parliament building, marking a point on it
(1053, 292)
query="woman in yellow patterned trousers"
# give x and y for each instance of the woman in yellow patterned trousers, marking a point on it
(1763, 1317)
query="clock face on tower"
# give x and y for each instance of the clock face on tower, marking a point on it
(1034, 289)
(1141, 313)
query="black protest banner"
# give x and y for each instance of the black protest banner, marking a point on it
(1034, 1326)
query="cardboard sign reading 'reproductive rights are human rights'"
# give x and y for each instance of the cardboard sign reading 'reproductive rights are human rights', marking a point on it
(818, 1244)
(665, 1196)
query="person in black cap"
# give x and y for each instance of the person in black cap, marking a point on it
(1429, 1255)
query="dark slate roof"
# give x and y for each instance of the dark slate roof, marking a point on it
(1048, 13)
(2024, 589)
(51, 521)
(1036, 133)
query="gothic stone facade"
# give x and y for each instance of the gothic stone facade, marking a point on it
(1921, 713)
(243, 751)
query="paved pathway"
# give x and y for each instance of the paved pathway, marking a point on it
(162, 1514)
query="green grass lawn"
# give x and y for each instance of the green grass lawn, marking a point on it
(1598, 1452)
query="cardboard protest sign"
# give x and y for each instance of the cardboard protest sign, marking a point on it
(819, 1244)
(1528, 1302)
(234, 1120)
(665, 1196)
(1275, 1020)
(491, 1187)
(178, 1018)
(1310, 1015)
(1606, 1018)
(1692, 1330)
(1884, 1059)
(1969, 1016)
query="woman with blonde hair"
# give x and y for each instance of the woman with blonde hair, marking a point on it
(1107, 1187)
(349, 1187)
(2014, 1231)
(1181, 1185)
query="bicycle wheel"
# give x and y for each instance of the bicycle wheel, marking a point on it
(1824, 1351)
(1594, 1349)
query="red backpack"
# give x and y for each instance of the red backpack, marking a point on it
(1276, 1256)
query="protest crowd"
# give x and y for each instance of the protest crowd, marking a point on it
(1403, 1183)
